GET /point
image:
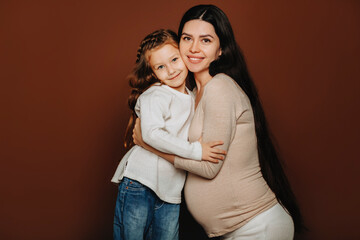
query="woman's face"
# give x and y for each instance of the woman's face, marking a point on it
(199, 45)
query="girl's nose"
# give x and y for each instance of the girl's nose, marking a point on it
(170, 70)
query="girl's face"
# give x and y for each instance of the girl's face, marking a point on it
(168, 66)
(199, 45)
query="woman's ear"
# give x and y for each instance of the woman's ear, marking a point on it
(219, 53)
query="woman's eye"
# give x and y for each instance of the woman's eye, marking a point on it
(205, 40)
(186, 38)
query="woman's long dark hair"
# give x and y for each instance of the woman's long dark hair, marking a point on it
(232, 63)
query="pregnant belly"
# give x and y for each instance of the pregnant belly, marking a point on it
(220, 205)
(205, 200)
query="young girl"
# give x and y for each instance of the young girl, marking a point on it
(147, 205)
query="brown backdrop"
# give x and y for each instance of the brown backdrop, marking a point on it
(63, 106)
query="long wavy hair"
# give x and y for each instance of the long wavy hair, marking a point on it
(232, 63)
(142, 76)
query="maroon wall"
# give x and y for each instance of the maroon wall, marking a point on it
(63, 106)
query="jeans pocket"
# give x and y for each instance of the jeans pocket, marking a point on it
(130, 185)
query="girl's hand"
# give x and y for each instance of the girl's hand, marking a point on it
(210, 153)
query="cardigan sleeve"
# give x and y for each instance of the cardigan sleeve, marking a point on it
(218, 104)
(154, 110)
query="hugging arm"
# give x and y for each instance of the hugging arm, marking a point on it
(154, 109)
(209, 152)
(219, 124)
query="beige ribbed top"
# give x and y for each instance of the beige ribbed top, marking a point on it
(223, 197)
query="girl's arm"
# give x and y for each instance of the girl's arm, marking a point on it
(154, 109)
(209, 152)
(138, 140)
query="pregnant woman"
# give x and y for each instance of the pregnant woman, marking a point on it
(246, 196)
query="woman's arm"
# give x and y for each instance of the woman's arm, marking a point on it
(210, 153)
(219, 106)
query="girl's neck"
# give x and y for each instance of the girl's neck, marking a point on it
(201, 79)
(182, 90)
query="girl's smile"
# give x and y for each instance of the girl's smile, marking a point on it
(168, 66)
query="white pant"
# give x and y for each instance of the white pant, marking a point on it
(273, 224)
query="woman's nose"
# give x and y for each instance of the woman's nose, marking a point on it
(194, 47)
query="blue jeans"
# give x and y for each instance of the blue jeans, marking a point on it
(141, 214)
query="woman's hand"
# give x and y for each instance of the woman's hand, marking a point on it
(137, 138)
(210, 153)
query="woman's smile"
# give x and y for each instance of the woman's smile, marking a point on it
(194, 59)
(199, 45)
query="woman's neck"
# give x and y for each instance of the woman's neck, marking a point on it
(201, 79)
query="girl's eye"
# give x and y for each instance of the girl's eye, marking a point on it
(175, 59)
(160, 67)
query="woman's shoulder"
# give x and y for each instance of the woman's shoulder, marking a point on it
(222, 79)
(221, 83)
(223, 76)
(223, 86)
